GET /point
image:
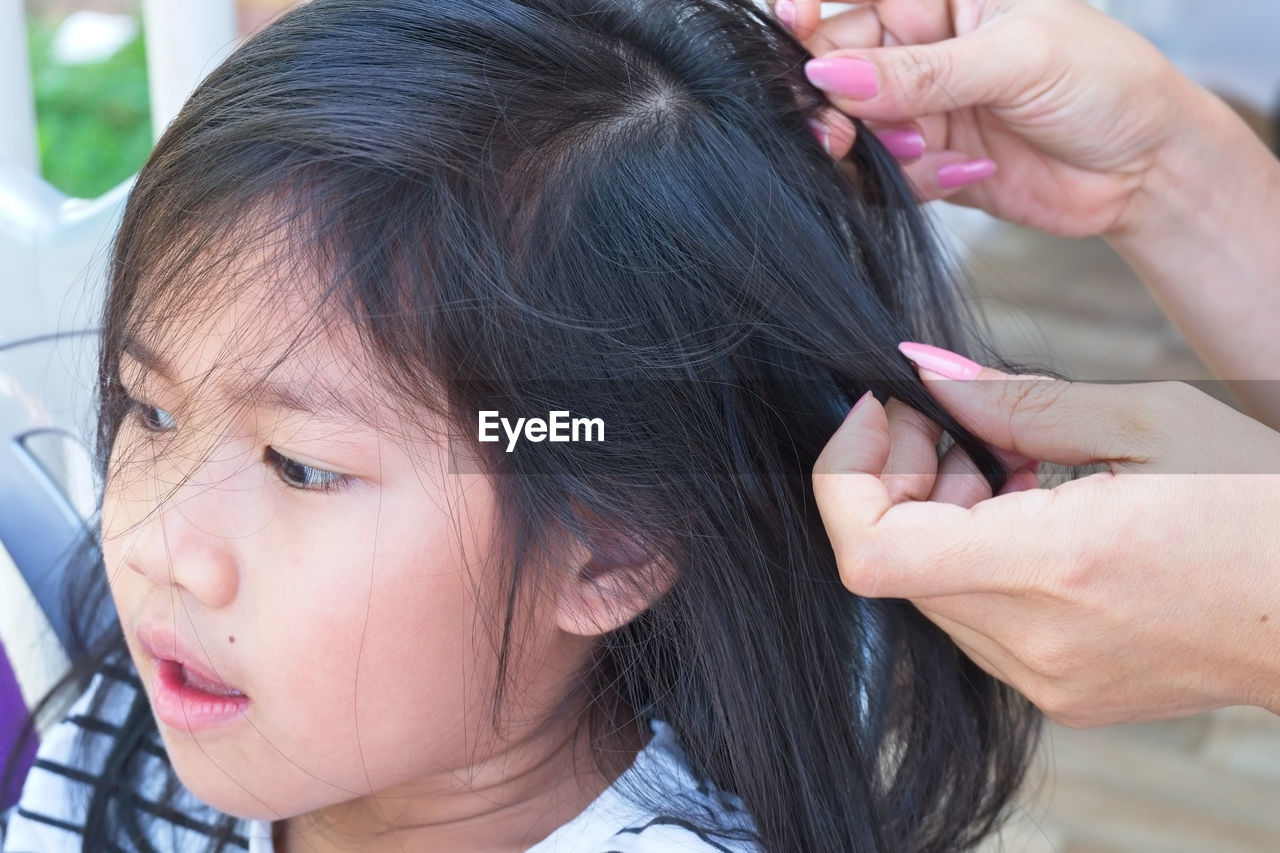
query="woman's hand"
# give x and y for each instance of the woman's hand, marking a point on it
(1150, 590)
(1069, 108)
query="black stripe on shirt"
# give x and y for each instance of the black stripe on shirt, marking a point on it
(166, 813)
(99, 726)
(51, 821)
(121, 673)
(675, 821)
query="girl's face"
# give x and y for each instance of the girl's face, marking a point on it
(308, 546)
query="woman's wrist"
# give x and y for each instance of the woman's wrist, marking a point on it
(1201, 234)
(1212, 170)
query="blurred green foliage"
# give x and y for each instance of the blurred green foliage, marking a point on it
(93, 120)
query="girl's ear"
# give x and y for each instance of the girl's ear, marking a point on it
(608, 584)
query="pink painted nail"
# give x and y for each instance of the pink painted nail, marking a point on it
(955, 175)
(904, 144)
(821, 132)
(843, 75)
(785, 11)
(945, 363)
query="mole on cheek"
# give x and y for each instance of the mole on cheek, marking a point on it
(231, 639)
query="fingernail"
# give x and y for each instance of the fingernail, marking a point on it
(903, 144)
(843, 75)
(785, 11)
(858, 405)
(945, 363)
(954, 175)
(820, 130)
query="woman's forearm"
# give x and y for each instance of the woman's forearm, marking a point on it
(1205, 237)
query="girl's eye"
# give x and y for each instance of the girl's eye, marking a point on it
(299, 476)
(155, 419)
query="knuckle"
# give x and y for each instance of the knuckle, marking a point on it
(1051, 656)
(923, 72)
(1065, 712)
(1060, 705)
(906, 486)
(861, 566)
(1038, 693)
(1075, 575)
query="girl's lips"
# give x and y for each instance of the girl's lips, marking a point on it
(181, 705)
(184, 696)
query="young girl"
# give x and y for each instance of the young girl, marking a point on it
(380, 235)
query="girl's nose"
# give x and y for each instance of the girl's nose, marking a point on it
(192, 532)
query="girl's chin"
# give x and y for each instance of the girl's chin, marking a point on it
(221, 791)
(238, 786)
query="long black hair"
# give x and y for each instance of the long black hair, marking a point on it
(613, 207)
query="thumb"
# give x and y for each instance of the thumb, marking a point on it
(1070, 423)
(846, 475)
(861, 444)
(901, 83)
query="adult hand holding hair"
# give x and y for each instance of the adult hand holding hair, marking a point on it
(1049, 114)
(1146, 591)
(1065, 110)
(1123, 595)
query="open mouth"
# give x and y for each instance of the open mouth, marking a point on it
(188, 700)
(176, 673)
(184, 697)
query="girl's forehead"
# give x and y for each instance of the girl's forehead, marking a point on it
(271, 346)
(258, 318)
(301, 381)
(256, 328)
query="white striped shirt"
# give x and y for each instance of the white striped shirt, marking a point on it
(49, 817)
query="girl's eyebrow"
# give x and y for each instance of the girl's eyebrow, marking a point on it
(316, 397)
(148, 359)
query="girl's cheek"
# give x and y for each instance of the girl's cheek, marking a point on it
(112, 531)
(124, 514)
(120, 495)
